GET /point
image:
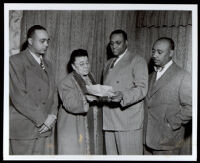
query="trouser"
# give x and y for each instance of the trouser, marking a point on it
(38, 146)
(124, 142)
(150, 151)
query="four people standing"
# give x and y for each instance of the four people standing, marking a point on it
(33, 101)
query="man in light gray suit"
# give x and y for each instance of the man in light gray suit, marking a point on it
(33, 97)
(123, 113)
(168, 103)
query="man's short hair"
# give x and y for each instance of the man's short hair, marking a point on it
(171, 42)
(119, 31)
(33, 29)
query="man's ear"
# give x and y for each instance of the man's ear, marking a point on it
(126, 43)
(30, 41)
(74, 68)
(171, 53)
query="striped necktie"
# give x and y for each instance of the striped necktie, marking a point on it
(42, 63)
(113, 63)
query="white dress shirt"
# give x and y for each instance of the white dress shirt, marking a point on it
(35, 57)
(118, 58)
(165, 67)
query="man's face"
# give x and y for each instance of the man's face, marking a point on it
(39, 42)
(161, 53)
(81, 65)
(118, 44)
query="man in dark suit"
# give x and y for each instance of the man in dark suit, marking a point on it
(168, 102)
(33, 97)
(123, 114)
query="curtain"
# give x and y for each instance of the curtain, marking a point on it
(90, 30)
(14, 31)
(174, 24)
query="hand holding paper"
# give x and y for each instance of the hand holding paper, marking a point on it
(91, 98)
(117, 97)
(100, 90)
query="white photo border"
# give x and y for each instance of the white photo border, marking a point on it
(89, 6)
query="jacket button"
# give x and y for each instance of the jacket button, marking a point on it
(117, 81)
(43, 103)
(39, 89)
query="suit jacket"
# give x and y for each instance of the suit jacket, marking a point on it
(168, 107)
(32, 96)
(130, 76)
(75, 132)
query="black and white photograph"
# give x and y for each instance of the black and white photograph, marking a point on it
(100, 82)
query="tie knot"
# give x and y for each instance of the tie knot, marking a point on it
(113, 62)
(158, 69)
(42, 63)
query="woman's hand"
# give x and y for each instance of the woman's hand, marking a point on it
(91, 98)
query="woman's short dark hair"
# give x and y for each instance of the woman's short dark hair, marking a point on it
(74, 55)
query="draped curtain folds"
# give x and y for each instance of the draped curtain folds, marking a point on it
(90, 30)
(174, 24)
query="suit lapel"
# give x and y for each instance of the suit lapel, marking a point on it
(35, 66)
(106, 70)
(152, 79)
(123, 62)
(163, 80)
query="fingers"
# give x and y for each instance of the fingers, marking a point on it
(43, 129)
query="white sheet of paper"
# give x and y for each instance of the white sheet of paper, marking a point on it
(100, 90)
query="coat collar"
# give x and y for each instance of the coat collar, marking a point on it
(154, 85)
(32, 63)
(124, 61)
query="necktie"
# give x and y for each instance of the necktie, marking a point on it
(113, 63)
(158, 69)
(42, 63)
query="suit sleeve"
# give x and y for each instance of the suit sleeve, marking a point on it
(20, 97)
(140, 84)
(185, 96)
(72, 99)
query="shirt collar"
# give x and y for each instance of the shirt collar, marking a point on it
(163, 68)
(122, 54)
(35, 56)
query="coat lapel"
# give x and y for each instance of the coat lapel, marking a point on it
(162, 81)
(152, 79)
(123, 62)
(36, 67)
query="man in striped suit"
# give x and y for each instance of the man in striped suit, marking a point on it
(123, 113)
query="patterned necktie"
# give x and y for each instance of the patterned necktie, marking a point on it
(158, 69)
(42, 63)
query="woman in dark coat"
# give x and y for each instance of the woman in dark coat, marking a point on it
(75, 132)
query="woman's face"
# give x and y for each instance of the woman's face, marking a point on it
(81, 65)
